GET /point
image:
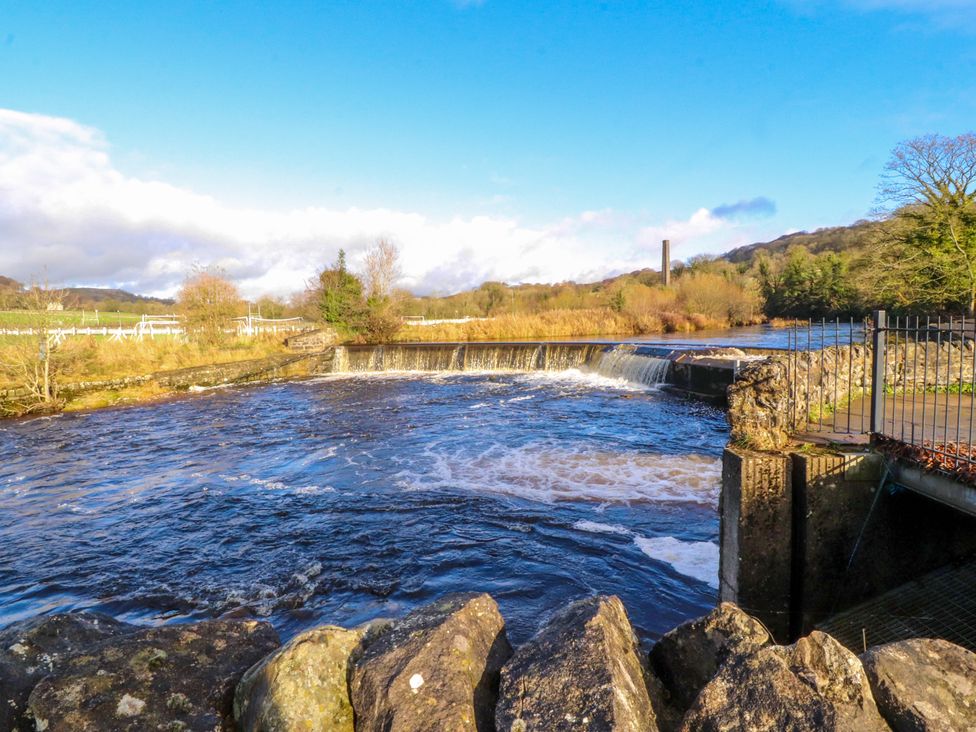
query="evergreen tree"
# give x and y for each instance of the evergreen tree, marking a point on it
(340, 295)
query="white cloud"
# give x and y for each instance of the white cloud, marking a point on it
(67, 213)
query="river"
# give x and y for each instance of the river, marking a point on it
(351, 497)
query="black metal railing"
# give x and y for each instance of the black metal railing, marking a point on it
(905, 381)
(826, 369)
(926, 369)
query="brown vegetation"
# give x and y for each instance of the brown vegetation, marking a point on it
(708, 293)
(95, 358)
(207, 301)
(561, 324)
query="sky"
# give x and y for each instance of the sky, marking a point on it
(490, 140)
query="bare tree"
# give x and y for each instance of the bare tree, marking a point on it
(382, 270)
(929, 184)
(30, 362)
(382, 318)
(207, 301)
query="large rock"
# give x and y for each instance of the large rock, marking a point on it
(814, 685)
(582, 671)
(923, 684)
(688, 657)
(304, 685)
(175, 677)
(37, 647)
(436, 669)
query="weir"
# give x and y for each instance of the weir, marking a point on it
(647, 365)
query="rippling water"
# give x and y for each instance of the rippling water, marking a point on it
(347, 498)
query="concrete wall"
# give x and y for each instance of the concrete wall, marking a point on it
(808, 534)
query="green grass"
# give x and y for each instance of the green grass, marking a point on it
(964, 389)
(67, 318)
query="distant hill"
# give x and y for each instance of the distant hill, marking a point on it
(88, 297)
(96, 295)
(830, 239)
(7, 283)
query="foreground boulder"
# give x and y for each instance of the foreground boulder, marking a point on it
(688, 657)
(923, 684)
(436, 669)
(175, 677)
(814, 685)
(581, 671)
(304, 685)
(37, 647)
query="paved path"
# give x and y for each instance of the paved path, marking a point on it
(912, 418)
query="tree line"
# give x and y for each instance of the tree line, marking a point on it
(917, 256)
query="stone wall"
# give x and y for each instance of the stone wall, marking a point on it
(313, 340)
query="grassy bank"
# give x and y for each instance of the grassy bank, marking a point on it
(83, 359)
(562, 324)
(100, 359)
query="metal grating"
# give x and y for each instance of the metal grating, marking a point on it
(941, 604)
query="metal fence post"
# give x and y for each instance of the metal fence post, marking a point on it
(879, 341)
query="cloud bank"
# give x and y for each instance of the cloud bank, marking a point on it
(68, 214)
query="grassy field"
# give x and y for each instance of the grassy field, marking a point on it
(67, 318)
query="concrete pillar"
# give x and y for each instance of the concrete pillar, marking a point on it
(666, 262)
(833, 494)
(756, 536)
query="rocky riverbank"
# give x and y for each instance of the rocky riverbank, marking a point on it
(449, 666)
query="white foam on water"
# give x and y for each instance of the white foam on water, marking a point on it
(697, 559)
(568, 377)
(594, 527)
(199, 389)
(549, 473)
(586, 379)
(273, 485)
(314, 490)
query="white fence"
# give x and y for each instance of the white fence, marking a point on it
(419, 321)
(152, 329)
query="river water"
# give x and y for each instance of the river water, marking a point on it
(350, 497)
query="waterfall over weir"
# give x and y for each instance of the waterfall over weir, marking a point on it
(632, 363)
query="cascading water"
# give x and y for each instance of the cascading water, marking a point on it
(504, 357)
(564, 357)
(624, 362)
(619, 362)
(433, 357)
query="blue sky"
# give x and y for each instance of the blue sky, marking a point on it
(510, 140)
